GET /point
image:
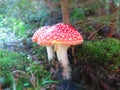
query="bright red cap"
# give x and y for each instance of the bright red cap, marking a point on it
(60, 34)
(39, 32)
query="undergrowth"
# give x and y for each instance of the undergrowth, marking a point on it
(10, 61)
(17, 72)
(104, 51)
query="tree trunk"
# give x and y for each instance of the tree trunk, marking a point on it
(65, 11)
(66, 19)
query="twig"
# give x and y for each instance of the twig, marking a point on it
(22, 72)
(94, 33)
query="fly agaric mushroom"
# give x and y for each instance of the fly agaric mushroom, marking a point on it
(40, 34)
(61, 36)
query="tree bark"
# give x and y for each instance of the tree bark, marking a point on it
(65, 11)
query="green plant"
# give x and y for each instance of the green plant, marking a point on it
(105, 52)
(6, 82)
(23, 73)
(40, 51)
(77, 14)
(35, 77)
(27, 11)
(21, 15)
(10, 61)
(16, 26)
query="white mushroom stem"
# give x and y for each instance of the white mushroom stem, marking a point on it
(50, 52)
(63, 59)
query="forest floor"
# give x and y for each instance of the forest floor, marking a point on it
(7, 39)
(84, 73)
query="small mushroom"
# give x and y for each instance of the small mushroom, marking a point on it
(40, 34)
(62, 36)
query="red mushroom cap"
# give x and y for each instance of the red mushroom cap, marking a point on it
(60, 34)
(39, 32)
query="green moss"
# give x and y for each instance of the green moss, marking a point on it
(10, 61)
(105, 51)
